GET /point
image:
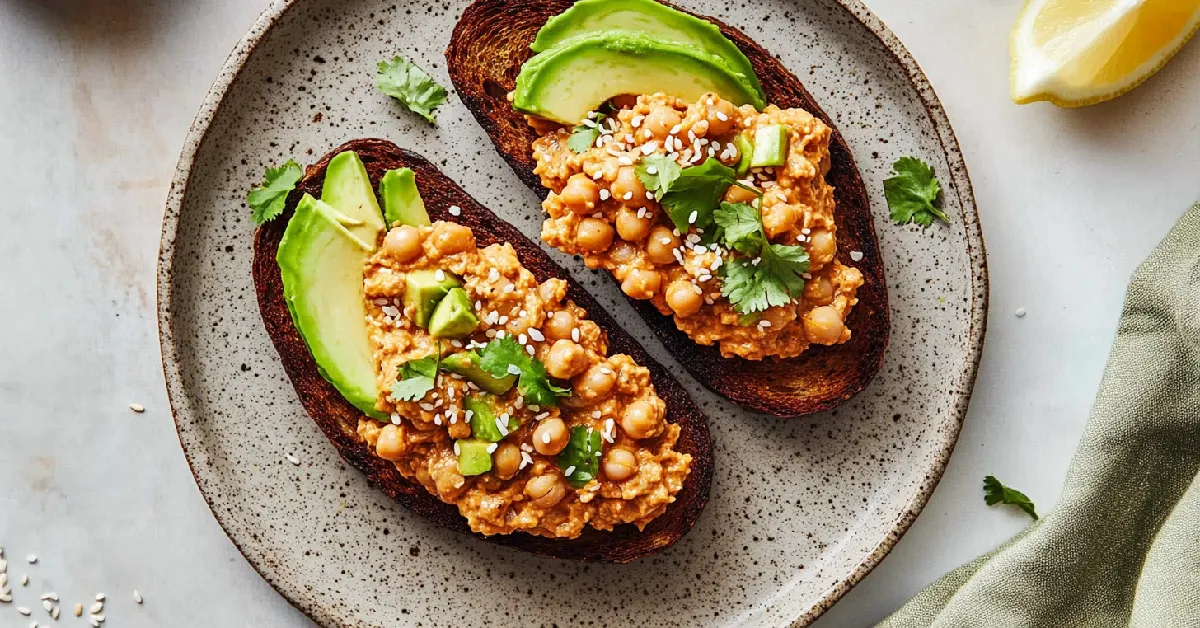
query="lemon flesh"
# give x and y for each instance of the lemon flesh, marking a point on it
(1080, 52)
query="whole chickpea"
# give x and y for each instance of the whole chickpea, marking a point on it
(506, 461)
(620, 464)
(821, 247)
(661, 120)
(622, 252)
(683, 298)
(596, 383)
(641, 419)
(720, 116)
(628, 189)
(391, 445)
(551, 436)
(594, 235)
(779, 218)
(450, 238)
(738, 194)
(819, 291)
(661, 245)
(581, 194)
(566, 360)
(545, 490)
(641, 284)
(823, 325)
(560, 325)
(630, 227)
(403, 243)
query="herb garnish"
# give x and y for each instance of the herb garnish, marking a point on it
(996, 493)
(581, 456)
(584, 136)
(771, 275)
(267, 201)
(412, 86)
(417, 377)
(911, 193)
(689, 195)
(505, 356)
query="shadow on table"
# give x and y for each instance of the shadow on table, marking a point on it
(103, 24)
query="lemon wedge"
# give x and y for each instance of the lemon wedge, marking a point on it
(1081, 52)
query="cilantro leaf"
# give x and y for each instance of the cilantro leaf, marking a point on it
(267, 201)
(911, 193)
(404, 81)
(505, 356)
(583, 137)
(996, 493)
(771, 280)
(581, 456)
(417, 378)
(691, 199)
(740, 228)
(658, 173)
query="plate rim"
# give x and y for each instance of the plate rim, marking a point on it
(972, 229)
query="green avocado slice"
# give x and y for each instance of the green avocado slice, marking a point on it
(649, 17)
(454, 316)
(566, 82)
(423, 290)
(348, 188)
(467, 365)
(473, 457)
(321, 262)
(402, 202)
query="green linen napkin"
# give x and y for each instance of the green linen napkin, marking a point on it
(1122, 548)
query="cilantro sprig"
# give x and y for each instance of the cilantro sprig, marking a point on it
(417, 377)
(912, 192)
(584, 136)
(581, 456)
(770, 275)
(267, 200)
(689, 195)
(403, 80)
(996, 493)
(505, 356)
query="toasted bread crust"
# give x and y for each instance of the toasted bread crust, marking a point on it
(338, 419)
(489, 45)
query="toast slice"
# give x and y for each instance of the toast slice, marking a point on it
(490, 44)
(338, 419)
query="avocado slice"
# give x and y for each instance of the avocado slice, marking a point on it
(770, 146)
(473, 457)
(348, 188)
(745, 153)
(454, 316)
(423, 290)
(483, 418)
(649, 17)
(467, 365)
(402, 202)
(566, 82)
(321, 262)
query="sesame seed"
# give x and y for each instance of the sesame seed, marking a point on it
(457, 449)
(575, 334)
(605, 194)
(502, 426)
(856, 256)
(137, 407)
(455, 210)
(48, 605)
(570, 470)
(294, 460)
(79, 610)
(546, 437)
(651, 170)
(628, 195)
(624, 161)
(598, 175)
(493, 447)
(692, 217)
(509, 288)
(94, 622)
(24, 580)
(642, 210)
(32, 558)
(513, 369)
(24, 611)
(529, 349)
(536, 335)
(525, 460)
(541, 416)
(54, 614)
(440, 275)
(428, 407)
(722, 117)
(1020, 312)
(596, 414)
(698, 289)
(50, 596)
(137, 597)
(677, 128)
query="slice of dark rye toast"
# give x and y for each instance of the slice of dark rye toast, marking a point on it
(490, 44)
(339, 419)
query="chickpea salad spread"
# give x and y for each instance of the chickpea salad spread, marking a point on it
(502, 397)
(719, 215)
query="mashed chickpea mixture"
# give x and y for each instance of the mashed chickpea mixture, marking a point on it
(639, 471)
(599, 208)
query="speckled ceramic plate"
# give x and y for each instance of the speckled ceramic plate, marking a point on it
(800, 511)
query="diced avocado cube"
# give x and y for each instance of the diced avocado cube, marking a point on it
(467, 365)
(454, 316)
(483, 419)
(423, 290)
(473, 457)
(402, 202)
(745, 150)
(770, 146)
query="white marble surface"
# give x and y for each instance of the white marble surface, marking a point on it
(96, 97)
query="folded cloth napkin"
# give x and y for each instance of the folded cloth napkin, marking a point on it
(1122, 548)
